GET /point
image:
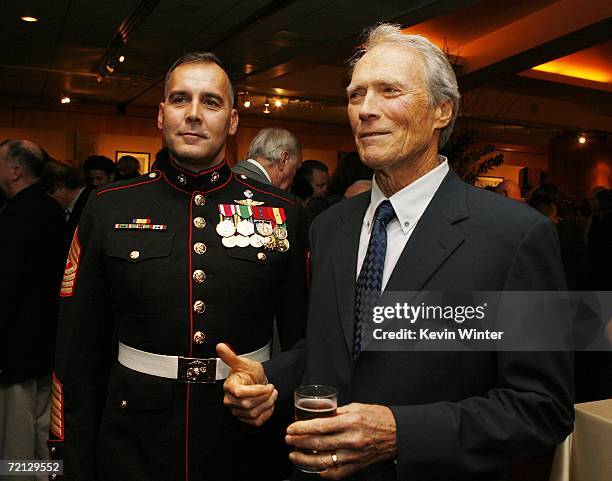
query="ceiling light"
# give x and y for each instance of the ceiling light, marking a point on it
(29, 19)
(121, 58)
(64, 99)
(582, 139)
(278, 103)
(247, 103)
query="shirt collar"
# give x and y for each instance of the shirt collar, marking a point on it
(189, 182)
(70, 207)
(410, 202)
(261, 167)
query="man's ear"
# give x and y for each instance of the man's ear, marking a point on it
(233, 122)
(16, 172)
(284, 158)
(160, 116)
(443, 114)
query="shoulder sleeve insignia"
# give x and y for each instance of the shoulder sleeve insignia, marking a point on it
(72, 266)
(57, 409)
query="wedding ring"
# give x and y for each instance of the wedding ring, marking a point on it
(334, 460)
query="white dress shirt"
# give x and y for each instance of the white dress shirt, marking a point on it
(260, 167)
(409, 205)
(68, 210)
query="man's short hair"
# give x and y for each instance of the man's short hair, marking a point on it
(271, 143)
(205, 57)
(309, 166)
(55, 173)
(128, 163)
(441, 79)
(21, 154)
(99, 162)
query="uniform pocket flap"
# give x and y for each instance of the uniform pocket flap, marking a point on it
(131, 391)
(149, 245)
(261, 256)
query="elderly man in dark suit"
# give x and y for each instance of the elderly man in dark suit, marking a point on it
(274, 157)
(414, 415)
(32, 233)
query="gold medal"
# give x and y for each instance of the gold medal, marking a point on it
(229, 241)
(270, 242)
(282, 245)
(280, 232)
(264, 229)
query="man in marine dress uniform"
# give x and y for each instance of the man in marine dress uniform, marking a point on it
(162, 268)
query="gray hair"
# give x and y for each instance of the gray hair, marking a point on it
(441, 79)
(26, 155)
(271, 143)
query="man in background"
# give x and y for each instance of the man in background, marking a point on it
(32, 257)
(509, 188)
(317, 174)
(99, 170)
(274, 157)
(66, 185)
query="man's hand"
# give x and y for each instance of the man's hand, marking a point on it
(247, 395)
(360, 435)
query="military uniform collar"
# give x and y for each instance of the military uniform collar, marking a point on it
(202, 181)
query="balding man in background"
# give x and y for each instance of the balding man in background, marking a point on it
(274, 157)
(32, 256)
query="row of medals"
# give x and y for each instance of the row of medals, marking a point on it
(243, 234)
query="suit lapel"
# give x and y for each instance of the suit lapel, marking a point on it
(434, 238)
(346, 245)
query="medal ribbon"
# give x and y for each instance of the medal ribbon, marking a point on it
(226, 210)
(243, 211)
(279, 215)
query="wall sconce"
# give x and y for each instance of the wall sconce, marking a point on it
(267, 106)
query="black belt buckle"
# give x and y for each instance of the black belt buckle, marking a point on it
(194, 370)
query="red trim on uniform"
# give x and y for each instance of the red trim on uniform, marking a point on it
(131, 185)
(206, 192)
(172, 185)
(200, 172)
(263, 191)
(308, 278)
(190, 248)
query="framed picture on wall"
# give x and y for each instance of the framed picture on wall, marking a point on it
(144, 159)
(487, 181)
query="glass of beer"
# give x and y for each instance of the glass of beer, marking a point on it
(314, 401)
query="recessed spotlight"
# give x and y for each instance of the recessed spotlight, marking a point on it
(582, 139)
(121, 58)
(64, 99)
(247, 104)
(29, 19)
(278, 103)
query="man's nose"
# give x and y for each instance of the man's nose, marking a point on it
(194, 112)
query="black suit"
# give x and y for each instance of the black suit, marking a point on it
(77, 210)
(252, 171)
(140, 287)
(459, 415)
(32, 232)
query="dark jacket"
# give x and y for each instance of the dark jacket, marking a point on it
(459, 415)
(32, 233)
(139, 286)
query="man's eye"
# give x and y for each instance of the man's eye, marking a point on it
(211, 102)
(179, 100)
(389, 90)
(355, 95)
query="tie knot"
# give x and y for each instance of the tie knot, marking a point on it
(384, 212)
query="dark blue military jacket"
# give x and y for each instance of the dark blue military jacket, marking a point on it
(170, 288)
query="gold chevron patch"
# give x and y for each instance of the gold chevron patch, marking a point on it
(57, 409)
(72, 267)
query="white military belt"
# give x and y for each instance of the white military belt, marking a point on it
(184, 369)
